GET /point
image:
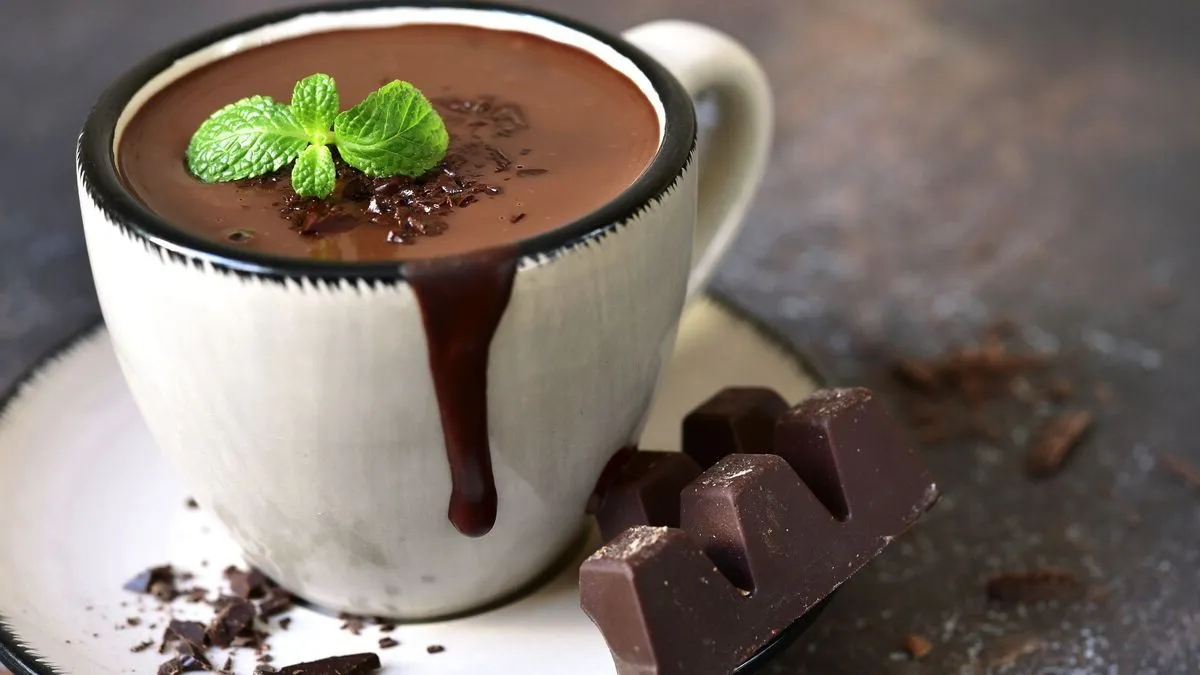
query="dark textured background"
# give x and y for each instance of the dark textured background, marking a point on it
(939, 164)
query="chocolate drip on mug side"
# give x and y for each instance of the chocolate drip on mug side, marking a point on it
(462, 300)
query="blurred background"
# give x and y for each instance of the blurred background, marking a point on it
(941, 166)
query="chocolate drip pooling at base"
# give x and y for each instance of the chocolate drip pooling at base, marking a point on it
(462, 300)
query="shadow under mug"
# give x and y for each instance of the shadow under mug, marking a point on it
(296, 398)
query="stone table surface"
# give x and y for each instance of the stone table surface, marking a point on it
(939, 164)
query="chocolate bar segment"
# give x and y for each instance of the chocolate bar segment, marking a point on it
(644, 491)
(736, 419)
(747, 513)
(763, 539)
(834, 439)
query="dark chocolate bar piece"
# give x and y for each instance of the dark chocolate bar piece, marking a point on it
(736, 419)
(644, 491)
(763, 539)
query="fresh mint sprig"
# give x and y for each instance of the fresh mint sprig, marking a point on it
(393, 132)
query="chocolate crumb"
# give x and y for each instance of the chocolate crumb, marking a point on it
(164, 590)
(133, 621)
(285, 622)
(144, 581)
(386, 627)
(142, 646)
(277, 602)
(1035, 586)
(435, 649)
(516, 218)
(387, 643)
(234, 620)
(191, 503)
(228, 667)
(917, 646)
(1048, 452)
(181, 664)
(1181, 469)
(247, 584)
(186, 632)
(353, 624)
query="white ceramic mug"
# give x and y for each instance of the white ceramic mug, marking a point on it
(295, 396)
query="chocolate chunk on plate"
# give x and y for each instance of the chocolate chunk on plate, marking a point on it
(352, 664)
(235, 619)
(146, 579)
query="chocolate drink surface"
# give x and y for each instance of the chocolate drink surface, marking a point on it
(541, 134)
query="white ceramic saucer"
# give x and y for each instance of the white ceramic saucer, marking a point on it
(86, 503)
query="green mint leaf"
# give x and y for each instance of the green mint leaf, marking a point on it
(394, 131)
(314, 173)
(252, 137)
(315, 104)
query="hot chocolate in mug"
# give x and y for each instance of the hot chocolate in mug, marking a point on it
(419, 438)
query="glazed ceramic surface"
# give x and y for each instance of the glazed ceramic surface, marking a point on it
(88, 502)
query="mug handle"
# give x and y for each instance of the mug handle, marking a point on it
(706, 60)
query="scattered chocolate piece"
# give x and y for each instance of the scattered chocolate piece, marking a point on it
(228, 667)
(917, 646)
(1181, 469)
(1048, 452)
(949, 397)
(234, 620)
(386, 626)
(144, 582)
(133, 621)
(182, 664)
(703, 598)
(516, 218)
(277, 602)
(435, 649)
(164, 590)
(249, 585)
(736, 419)
(354, 664)
(285, 622)
(351, 623)
(186, 632)
(265, 669)
(387, 643)
(142, 646)
(643, 490)
(192, 503)
(1035, 586)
